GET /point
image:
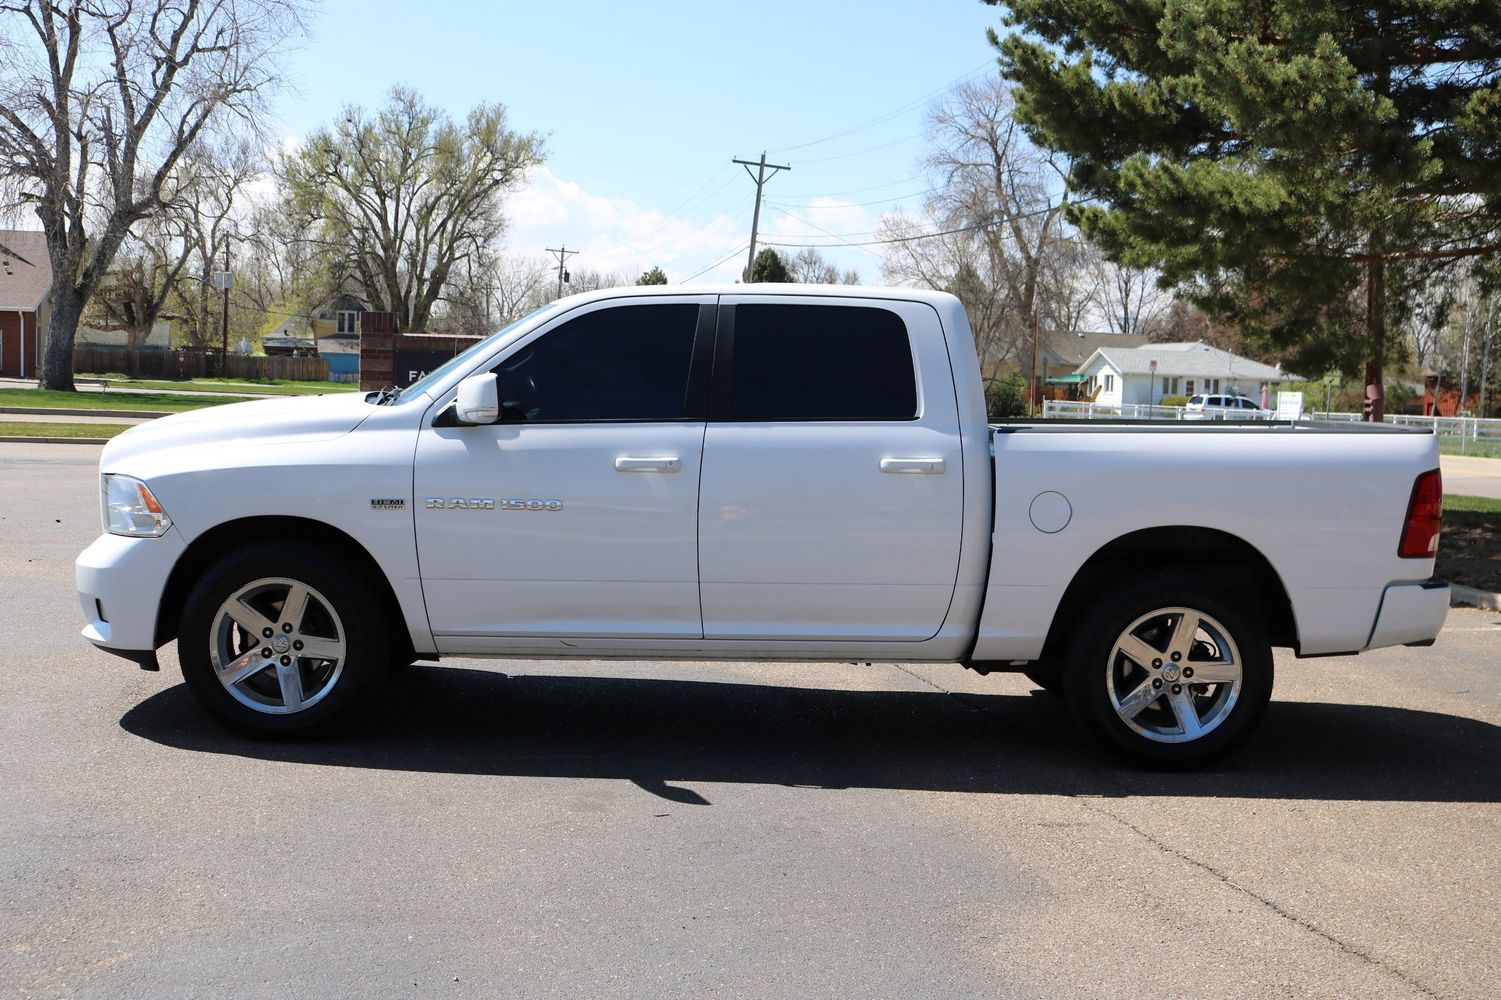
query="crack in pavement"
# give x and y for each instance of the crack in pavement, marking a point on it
(1308, 925)
(1087, 802)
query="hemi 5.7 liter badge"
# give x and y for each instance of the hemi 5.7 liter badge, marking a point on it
(387, 504)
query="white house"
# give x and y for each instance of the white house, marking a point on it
(1143, 375)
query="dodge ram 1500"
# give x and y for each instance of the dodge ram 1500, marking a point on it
(754, 472)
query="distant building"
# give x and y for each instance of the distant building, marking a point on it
(333, 333)
(1143, 375)
(1059, 355)
(160, 337)
(25, 301)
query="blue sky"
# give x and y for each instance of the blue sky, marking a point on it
(645, 104)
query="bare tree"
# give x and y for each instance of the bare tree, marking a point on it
(99, 100)
(520, 285)
(143, 277)
(407, 195)
(809, 268)
(998, 204)
(590, 280)
(214, 207)
(1128, 297)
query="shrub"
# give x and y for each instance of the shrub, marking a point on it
(1006, 397)
(1173, 401)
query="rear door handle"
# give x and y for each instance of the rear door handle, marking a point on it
(626, 463)
(920, 466)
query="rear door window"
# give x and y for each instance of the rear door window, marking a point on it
(818, 362)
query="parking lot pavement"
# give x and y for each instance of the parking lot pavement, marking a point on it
(673, 830)
(1476, 477)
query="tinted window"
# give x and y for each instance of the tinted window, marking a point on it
(1197, 400)
(620, 363)
(1246, 404)
(821, 363)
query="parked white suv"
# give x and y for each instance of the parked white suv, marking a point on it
(1216, 407)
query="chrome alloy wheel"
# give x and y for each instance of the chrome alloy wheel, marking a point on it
(1174, 675)
(277, 646)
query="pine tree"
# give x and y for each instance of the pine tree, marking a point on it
(769, 266)
(1298, 166)
(656, 276)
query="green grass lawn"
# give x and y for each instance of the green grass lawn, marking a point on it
(276, 386)
(157, 401)
(1469, 551)
(47, 429)
(1477, 449)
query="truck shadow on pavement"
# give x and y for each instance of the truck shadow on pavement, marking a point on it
(667, 735)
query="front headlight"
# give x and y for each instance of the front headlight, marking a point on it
(130, 509)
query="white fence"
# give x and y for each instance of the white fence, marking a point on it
(1486, 429)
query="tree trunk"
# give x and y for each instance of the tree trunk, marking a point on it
(1374, 407)
(57, 362)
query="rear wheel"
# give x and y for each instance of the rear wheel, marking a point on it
(281, 639)
(1171, 670)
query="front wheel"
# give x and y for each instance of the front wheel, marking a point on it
(1172, 670)
(281, 639)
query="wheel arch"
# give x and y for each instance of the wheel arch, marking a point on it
(223, 538)
(1184, 546)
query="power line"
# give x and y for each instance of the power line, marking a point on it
(853, 204)
(622, 249)
(882, 119)
(862, 152)
(705, 270)
(999, 220)
(652, 247)
(836, 236)
(859, 190)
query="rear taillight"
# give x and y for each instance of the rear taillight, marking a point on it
(1425, 515)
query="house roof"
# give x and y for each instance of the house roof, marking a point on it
(1072, 347)
(1195, 359)
(25, 269)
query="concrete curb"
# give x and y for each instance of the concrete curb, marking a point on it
(56, 411)
(1471, 597)
(25, 439)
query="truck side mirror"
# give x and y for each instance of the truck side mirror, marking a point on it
(479, 399)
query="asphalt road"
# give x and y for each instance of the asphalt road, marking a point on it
(655, 830)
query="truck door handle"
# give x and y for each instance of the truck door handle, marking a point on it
(928, 466)
(626, 463)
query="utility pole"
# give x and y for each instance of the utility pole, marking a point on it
(224, 323)
(760, 177)
(563, 253)
(1033, 393)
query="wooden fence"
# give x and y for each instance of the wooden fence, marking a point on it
(195, 364)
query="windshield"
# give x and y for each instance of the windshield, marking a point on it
(435, 376)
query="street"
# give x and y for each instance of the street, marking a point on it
(546, 829)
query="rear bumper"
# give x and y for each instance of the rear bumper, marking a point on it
(1411, 613)
(120, 583)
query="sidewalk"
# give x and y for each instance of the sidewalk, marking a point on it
(30, 383)
(1475, 477)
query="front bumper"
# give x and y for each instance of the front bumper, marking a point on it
(120, 584)
(1411, 614)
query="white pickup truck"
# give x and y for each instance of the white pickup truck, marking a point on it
(754, 472)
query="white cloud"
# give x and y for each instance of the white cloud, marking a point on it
(616, 234)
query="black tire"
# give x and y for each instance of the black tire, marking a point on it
(1049, 678)
(1097, 676)
(341, 614)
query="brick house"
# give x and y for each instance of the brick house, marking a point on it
(25, 301)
